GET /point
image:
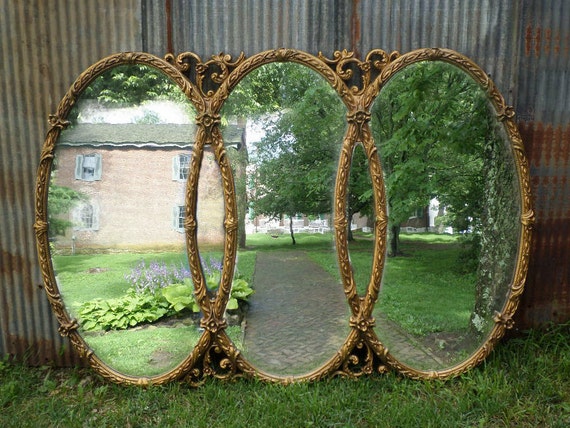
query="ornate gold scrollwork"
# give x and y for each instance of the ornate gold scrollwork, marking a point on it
(66, 328)
(359, 73)
(508, 322)
(359, 118)
(207, 84)
(208, 75)
(208, 121)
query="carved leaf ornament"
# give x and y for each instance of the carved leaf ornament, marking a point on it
(207, 84)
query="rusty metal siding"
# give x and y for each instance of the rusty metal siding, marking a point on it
(45, 44)
(485, 31)
(210, 27)
(543, 106)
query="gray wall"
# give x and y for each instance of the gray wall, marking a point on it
(45, 45)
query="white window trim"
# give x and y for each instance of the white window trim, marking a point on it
(176, 217)
(79, 160)
(176, 166)
(77, 220)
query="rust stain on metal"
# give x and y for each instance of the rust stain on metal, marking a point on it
(547, 292)
(355, 28)
(168, 12)
(527, 40)
(545, 41)
(546, 297)
(537, 39)
(41, 352)
(15, 263)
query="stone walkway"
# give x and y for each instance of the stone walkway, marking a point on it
(404, 346)
(298, 318)
(298, 315)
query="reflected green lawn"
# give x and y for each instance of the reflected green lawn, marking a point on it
(425, 290)
(152, 350)
(145, 350)
(422, 291)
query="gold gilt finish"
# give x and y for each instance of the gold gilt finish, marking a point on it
(208, 84)
(68, 327)
(505, 114)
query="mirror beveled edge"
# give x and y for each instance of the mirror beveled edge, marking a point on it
(503, 320)
(58, 122)
(208, 84)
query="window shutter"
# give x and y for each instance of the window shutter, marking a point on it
(98, 167)
(95, 224)
(175, 217)
(78, 167)
(74, 217)
(176, 168)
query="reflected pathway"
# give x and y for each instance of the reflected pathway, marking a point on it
(403, 346)
(298, 315)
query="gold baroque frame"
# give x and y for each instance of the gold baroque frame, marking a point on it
(505, 114)
(208, 84)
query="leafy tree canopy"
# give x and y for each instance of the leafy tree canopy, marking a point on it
(60, 201)
(131, 84)
(295, 162)
(431, 124)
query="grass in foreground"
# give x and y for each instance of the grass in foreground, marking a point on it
(525, 383)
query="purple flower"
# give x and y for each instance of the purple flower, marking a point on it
(155, 276)
(211, 266)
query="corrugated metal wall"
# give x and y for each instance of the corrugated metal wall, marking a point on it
(44, 45)
(543, 105)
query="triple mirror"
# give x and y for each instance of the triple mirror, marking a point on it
(284, 216)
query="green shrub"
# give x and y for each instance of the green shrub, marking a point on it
(123, 312)
(138, 308)
(240, 291)
(181, 296)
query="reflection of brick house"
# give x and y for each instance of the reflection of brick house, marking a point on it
(419, 221)
(133, 177)
(423, 220)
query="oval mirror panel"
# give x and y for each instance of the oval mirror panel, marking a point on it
(360, 217)
(116, 205)
(454, 215)
(284, 172)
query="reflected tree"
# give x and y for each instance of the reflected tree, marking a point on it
(295, 162)
(257, 96)
(438, 137)
(61, 200)
(130, 85)
(431, 129)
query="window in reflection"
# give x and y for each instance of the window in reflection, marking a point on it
(88, 167)
(180, 167)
